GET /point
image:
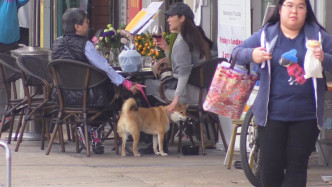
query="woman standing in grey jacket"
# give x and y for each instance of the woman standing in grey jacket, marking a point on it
(188, 49)
(288, 108)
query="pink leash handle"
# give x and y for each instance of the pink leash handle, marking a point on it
(143, 93)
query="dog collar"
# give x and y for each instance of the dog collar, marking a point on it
(167, 113)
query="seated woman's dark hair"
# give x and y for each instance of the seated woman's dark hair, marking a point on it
(194, 38)
(71, 17)
(205, 38)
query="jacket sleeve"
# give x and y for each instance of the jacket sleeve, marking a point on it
(182, 64)
(101, 63)
(327, 48)
(21, 3)
(244, 50)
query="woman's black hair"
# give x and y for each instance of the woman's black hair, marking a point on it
(310, 17)
(205, 38)
(71, 17)
(193, 37)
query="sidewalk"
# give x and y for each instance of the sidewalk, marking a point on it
(32, 168)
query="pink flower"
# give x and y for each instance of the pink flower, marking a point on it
(95, 40)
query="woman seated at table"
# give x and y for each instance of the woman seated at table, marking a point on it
(186, 51)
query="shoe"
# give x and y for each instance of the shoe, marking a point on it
(146, 151)
(238, 165)
(96, 144)
(6, 125)
(81, 139)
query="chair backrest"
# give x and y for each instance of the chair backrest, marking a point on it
(35, 69)
(9, 67)
(75, 75)
(73, 80)
(202, 73)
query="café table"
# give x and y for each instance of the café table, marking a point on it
(144, 73)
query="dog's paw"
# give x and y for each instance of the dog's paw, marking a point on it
(123, 155)
(163, 154)
(137, 155)
(157, 153)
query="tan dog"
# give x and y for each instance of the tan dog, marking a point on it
(153, 120)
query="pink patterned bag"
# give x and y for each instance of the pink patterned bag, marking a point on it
(229, 90)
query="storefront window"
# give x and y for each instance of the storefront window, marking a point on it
(63, 5)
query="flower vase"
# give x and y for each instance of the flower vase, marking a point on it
(114, 57)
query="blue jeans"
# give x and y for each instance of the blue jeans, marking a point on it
(286, 148)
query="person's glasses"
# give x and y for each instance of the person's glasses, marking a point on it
(291, 6)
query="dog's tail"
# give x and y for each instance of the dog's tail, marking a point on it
(129, 105)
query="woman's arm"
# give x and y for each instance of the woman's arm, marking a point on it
(250, 50)
(327, 48)
(181, 66)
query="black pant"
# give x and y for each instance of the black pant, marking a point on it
(5, 48)
(286, 148)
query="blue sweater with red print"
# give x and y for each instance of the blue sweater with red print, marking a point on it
(262, 102)
(9, 27)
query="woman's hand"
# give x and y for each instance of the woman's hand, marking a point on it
(171, 107)
(259, 55)
(135, 88)
(319, 54)
(162, 43)
(155, 66)
(132, 87)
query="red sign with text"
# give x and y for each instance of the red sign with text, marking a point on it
(133, 7)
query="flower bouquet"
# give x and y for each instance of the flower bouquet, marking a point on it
(109, 44)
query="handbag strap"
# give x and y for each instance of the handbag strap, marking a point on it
(233, 62)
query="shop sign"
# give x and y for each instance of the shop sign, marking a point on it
(133, 7)
(234, 25)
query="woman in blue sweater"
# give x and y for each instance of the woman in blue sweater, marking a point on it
(288, 108)
(10, 33)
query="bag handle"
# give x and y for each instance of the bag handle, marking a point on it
(233, 62)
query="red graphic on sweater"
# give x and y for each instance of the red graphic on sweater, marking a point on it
(296, 73)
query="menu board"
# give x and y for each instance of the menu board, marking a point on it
(143, 17)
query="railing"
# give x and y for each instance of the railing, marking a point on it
(8, 159)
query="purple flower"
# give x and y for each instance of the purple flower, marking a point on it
(111, 33)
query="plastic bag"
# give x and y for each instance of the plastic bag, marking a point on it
(312, 66)
(130, 60)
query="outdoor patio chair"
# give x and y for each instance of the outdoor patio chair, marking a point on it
(37, 86)
(79, 76)
(9, 76)
(201, 76)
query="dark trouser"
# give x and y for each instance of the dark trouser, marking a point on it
(24, 36)
(5, 48)
(286, 148)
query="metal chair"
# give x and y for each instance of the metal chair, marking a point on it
(9, 76)
(79, 76)
(37, 90)
(201, 76)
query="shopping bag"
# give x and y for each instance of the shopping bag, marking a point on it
(230, 89)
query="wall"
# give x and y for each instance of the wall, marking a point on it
(328, 14)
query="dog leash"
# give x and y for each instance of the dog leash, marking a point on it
(143, 93)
